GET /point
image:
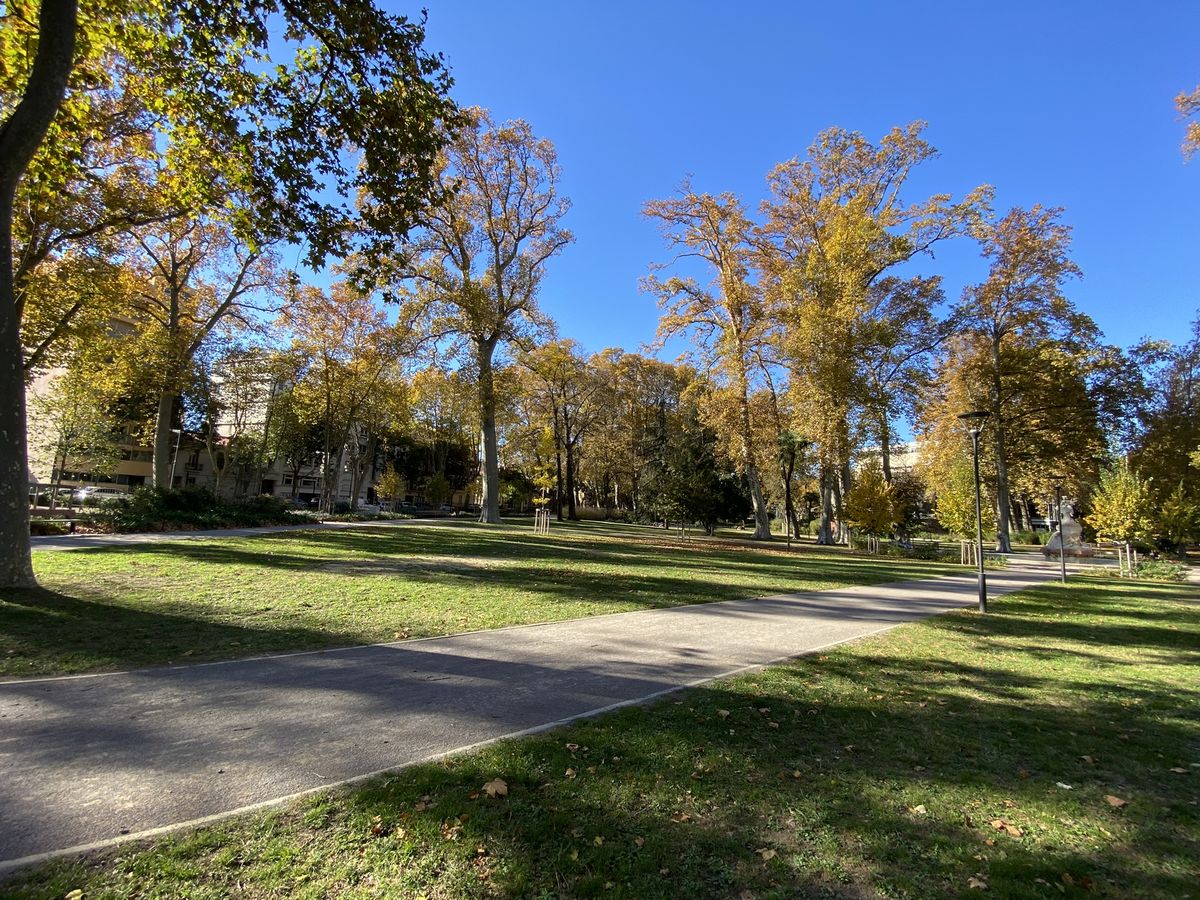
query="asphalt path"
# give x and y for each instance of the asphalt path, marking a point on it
(93, 760)
(84, 541)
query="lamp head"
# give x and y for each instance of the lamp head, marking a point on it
(974, 419)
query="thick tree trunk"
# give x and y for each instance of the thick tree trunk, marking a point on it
(825, 528)
(20, 136)
(164, 421)
(572, 512)
(487, 430)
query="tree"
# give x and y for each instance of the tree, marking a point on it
(1167, 415)
(76, 415)
(473, 270)
(725, 320)
(1121, 507)
(568, 388)
(869, 506)
(837, 225)
(350, 346)
(276, 132)
(1019, 304)
(1177, 520)
(955, 493)
(195, 276)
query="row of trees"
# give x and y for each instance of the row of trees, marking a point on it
(196, 145)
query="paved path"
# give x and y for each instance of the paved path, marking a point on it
(81, 541)
(90, 760)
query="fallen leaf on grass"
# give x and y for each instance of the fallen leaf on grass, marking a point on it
(1179, 770)
(1091, 761)
(496, 788)
(681, 817)
(74, 895)
(639, 842)
(598, 841)
(975, 883)
(766, 853)
(1007, 827)
(1065, 787)
(377, 827)
(1115, 802)
(723, 713)
(570, 773)
(918, 810)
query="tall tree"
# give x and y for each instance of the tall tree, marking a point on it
(235, 115)
(23, 127)
(1020, 304)
(473, 270)
(350, 346)
(838, 223)
(725, 319)
(569, 388)
(195, 277)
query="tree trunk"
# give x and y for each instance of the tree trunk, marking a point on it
(164, 420)
(572, 512)
(20, 136)
(885, 448)
(1003, 501)
(825, 529)
(487, 429)
(559, 493)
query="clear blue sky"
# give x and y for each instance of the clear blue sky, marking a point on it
(1060, 103)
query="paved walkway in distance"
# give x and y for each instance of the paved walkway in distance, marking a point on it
(95, 759)
(82, 541)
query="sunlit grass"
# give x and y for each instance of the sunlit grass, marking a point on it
(214, 599)
(960, 756)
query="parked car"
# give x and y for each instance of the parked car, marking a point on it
(93, 494)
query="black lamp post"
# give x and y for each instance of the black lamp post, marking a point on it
(974, 421)
(1062, 541)
(178, 432)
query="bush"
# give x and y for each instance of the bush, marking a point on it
(156, 509)
(1026, 537)
(1161, 570)
(42, 527)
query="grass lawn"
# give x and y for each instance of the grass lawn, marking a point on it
(1051, 748)
(188, 601)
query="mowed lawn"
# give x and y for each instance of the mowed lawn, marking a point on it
(1048, 749)
(189, 601)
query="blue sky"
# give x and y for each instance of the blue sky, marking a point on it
(1064, 104)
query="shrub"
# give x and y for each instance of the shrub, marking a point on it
(1026, 537)
(41, 527)
(156, 509)
(1161, 570)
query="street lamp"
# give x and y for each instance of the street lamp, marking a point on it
(974, 421)
(1062, 540)
(178, 432)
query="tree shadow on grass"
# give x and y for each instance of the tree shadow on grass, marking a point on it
(702, 795)
(53, 631)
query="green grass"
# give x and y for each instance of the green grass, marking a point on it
(927, 762)
(231, 597)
